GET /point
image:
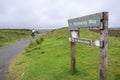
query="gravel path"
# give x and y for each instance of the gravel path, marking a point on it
(9, 52)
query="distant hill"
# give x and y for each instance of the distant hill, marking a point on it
(113, 27)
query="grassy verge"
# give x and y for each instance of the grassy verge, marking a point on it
(48, 58)
(10, 36)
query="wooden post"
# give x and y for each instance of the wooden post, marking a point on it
(103, 46)
(73, 57)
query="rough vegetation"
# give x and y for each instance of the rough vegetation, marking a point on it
(8, 36)
(48, 58)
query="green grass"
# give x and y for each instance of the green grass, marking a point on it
(8, 36)
(49, 58)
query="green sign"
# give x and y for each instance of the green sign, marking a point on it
(86, 21)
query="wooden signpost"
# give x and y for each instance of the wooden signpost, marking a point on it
(94, 21)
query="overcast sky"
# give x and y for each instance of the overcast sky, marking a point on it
(53, 13)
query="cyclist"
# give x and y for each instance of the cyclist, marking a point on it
(33, 33)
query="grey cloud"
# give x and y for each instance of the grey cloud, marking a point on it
(52, 13)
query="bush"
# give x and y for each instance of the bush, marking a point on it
(40, 40)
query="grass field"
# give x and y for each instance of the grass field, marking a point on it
(48, 58)
(8, 36)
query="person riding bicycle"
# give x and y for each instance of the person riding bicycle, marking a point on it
(33, 33)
